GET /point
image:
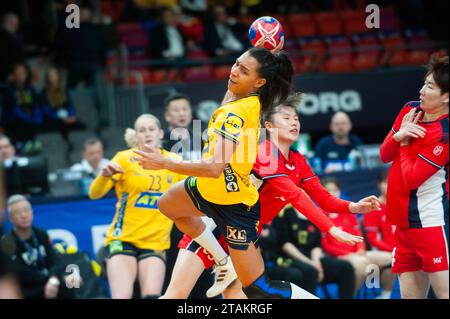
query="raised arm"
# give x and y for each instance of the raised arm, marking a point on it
(103, 183)
(211, 167)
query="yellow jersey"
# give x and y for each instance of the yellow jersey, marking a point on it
(238, 121)
(137, 219)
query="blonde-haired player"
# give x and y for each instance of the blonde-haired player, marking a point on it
(139, 234)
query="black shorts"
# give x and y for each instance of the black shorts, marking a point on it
(238, 222)
(118, 247)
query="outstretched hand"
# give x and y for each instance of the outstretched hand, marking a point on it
(365, 205)
(152, 159)
(344, 237)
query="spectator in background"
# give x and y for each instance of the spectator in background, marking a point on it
(223, 37)
(12, 49)
(141, 10)
(166, 41)
(59, 112)
(194, 7)
(378, 232)
(23, 113)
(232, 6)
(2, 202)
(357, 255)
(92, 163)
(178, 115)
(334, 152)
(37, 265)
(255, 8)
(7, 150)
(300, 242)
(84, 50)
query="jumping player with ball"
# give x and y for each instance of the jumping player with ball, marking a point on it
(219, 186)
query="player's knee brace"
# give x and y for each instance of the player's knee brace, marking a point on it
(263, 288)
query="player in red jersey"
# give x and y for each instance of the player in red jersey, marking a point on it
(417, 194)
(282, 175)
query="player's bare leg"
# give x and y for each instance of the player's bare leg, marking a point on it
(414, 285)
(439, 282)
(121, 271)
(188, 268)
(234, 291)
(152, 271)
(178, 206)
(249, 266)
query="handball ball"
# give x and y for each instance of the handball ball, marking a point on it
(268, 28)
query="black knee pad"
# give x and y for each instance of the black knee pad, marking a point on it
(263, 288)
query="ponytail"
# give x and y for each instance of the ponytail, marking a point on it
(130, 137)
(278, 71)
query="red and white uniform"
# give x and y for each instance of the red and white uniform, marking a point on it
(349, 224)
(283, 181)
(379, 233)
(417, 195)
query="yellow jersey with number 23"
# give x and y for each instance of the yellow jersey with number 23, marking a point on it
(137, 219)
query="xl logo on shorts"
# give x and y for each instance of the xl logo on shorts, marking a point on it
(236, 235)
(437, 260)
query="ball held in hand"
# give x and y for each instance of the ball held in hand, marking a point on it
(268, 28)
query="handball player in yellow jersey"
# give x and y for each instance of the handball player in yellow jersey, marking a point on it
(219, 186)
(139, 234)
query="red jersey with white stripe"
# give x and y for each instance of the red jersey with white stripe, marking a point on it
(291, 180)
(379, 233)
(417, 195)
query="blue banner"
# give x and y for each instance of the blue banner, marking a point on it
(81, 223)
